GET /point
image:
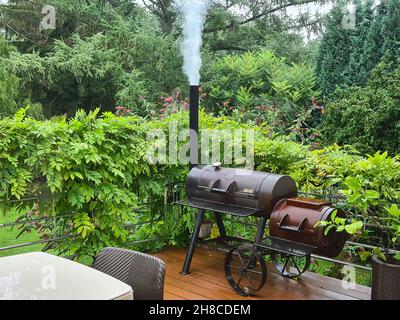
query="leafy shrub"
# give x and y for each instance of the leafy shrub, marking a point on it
(73, 160)
(367, 117)
(254, 84)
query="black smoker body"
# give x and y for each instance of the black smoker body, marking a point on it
(236, 192)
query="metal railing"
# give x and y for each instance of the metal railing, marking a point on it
(7, 226)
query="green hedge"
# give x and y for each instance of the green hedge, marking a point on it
(95, 166)
(367, 117)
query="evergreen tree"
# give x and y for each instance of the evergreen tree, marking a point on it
(347, 56)
(391, 30)
(334, 52)
(9, 82)
(372, 48)
(356, 73)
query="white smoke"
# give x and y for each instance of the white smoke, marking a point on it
(193, 12)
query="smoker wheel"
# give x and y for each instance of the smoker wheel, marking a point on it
(290, 266)
(245, 270)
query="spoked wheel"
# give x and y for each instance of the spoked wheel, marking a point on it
(290, 266)
(245, 270)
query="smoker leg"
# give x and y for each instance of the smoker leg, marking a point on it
(259, 236)
(220, 224)
(189, 254)
(261, 229)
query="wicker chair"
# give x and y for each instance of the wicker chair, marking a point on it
(144, 273)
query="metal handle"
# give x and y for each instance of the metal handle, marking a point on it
(299, 228)
(219, 190)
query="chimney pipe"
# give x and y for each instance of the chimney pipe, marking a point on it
(194, 126)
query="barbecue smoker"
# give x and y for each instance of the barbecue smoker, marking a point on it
(292, 237)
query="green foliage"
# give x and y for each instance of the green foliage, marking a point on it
(366, 117)
(359, 198)
(123, 61)
(248, 84)
(11, 91)
(391, 30)
(371, 192)
(74, 160)
(355, 72)
(9, 83)
(334, 52)
(347, 55)
(340, 225)
(393, 219)
(255, 37)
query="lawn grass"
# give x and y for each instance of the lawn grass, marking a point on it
(8, 236)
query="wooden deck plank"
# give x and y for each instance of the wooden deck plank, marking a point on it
(207, 281)
(299, 289)
(211, 263)
(283, 289)
(212, 272)
(170, 296)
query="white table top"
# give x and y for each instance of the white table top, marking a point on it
(42, 276)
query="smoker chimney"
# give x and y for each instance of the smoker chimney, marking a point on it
(194, 126)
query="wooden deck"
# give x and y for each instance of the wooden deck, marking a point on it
(207, 282)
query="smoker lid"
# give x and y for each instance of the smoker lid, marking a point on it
(242, 181)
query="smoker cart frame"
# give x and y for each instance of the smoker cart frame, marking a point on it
(218, 209)
(252, 265)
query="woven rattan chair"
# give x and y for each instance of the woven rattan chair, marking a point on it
(144, 273)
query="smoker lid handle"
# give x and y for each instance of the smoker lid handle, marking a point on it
(217, 190)
(217, 165)
(299, 228)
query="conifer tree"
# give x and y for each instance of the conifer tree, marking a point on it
(347, 56)
(391, 30)
(334, 52)
(356, 73)
(373, 45)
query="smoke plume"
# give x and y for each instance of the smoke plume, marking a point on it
(193, 12)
